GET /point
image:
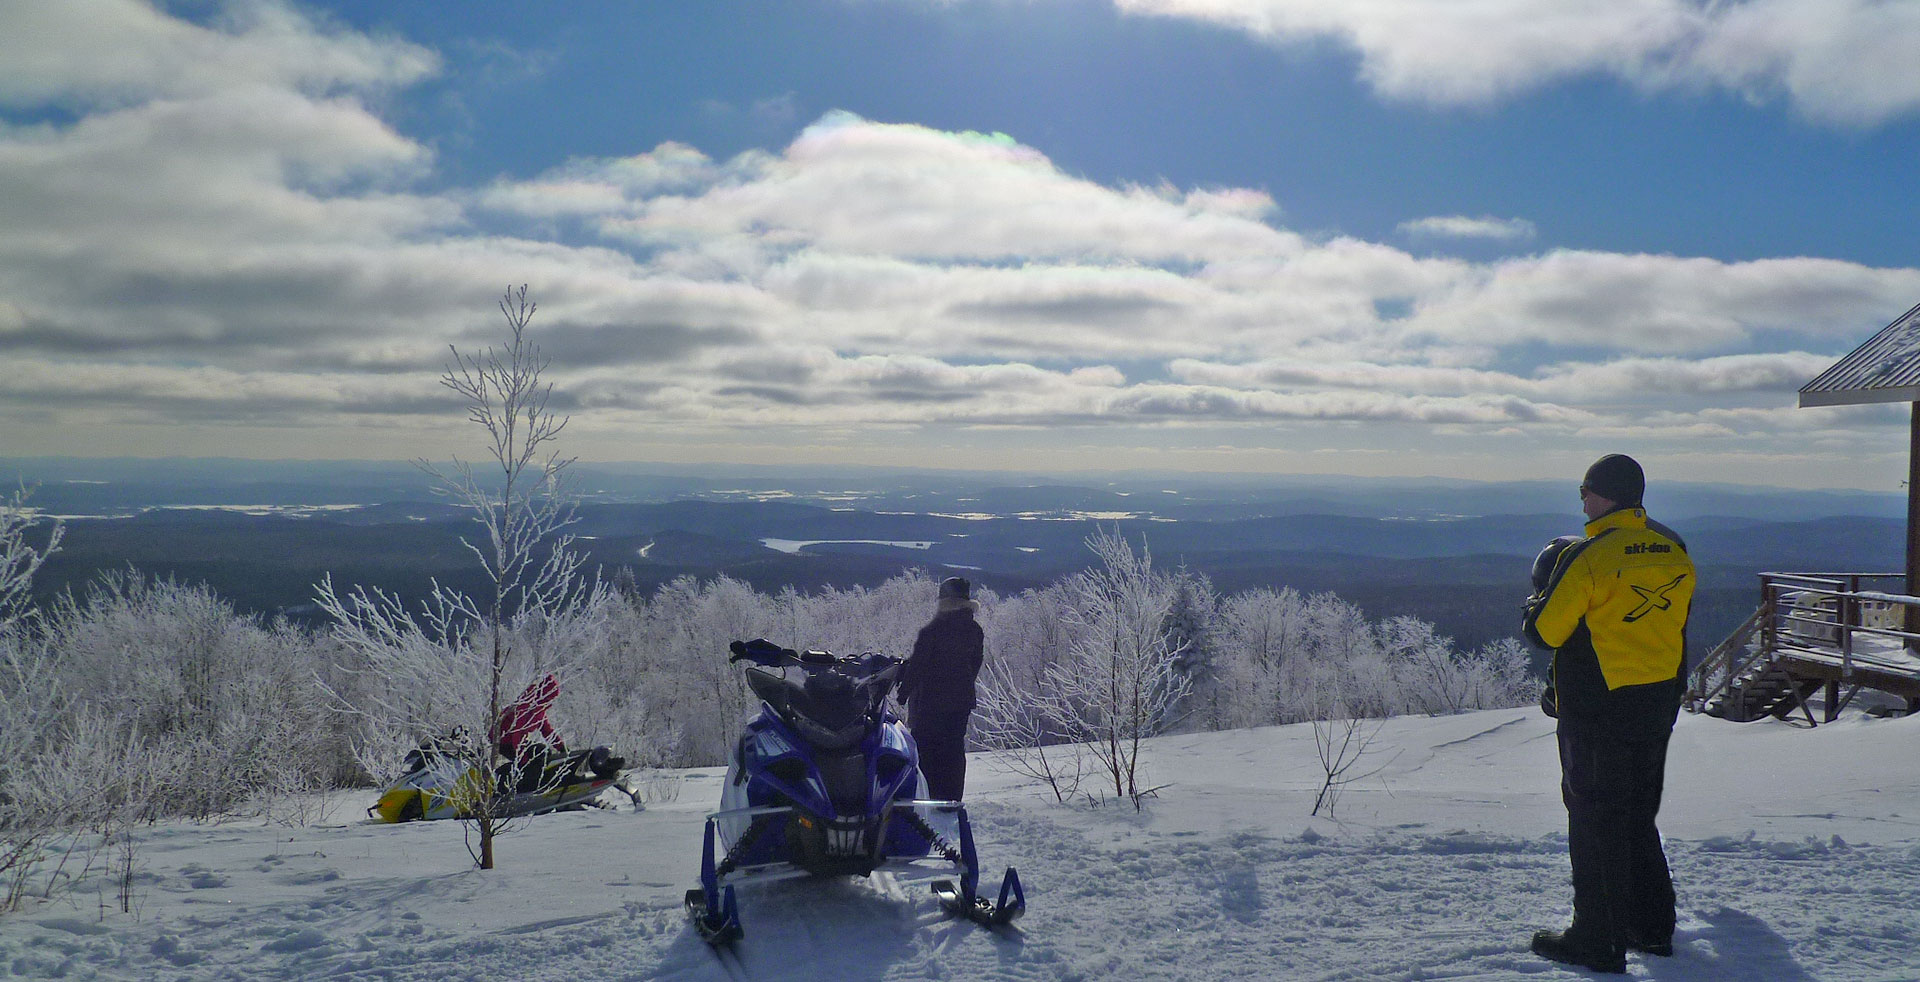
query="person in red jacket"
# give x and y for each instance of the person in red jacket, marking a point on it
(527, 737)
(937, 686)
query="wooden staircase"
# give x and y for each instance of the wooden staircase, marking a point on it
(1735, 681)
(1805, 635)
(1741, 680)
(1771, 691)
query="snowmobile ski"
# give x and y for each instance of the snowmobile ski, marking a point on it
(718, 923)
(963, 899)
(980, 910)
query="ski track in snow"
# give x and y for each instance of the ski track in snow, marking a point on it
(1111, 894)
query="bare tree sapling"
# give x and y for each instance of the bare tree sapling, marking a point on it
(456, 666)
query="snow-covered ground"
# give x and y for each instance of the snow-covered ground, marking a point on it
(1796, 853)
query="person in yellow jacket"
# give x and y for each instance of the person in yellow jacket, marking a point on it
(1614, 609)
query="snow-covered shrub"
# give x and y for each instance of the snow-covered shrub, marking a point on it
(1028, 740)
(229, 704)
(20, 559)
(32, 817)
(687, 628)
(146, 699)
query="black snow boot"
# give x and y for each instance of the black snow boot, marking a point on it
(1651, 944)
(1571, 949)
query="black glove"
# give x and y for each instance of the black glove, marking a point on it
(1550, 702)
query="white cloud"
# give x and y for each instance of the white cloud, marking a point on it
(1661, 304)
(204, 392)
(1842, 61)
(1849, 61)
(1604, 382)
(126, 51)
(1780, 374)
(857, 187)
(239, 242)
(1463, 227)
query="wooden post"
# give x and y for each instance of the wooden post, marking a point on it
(1913, 521)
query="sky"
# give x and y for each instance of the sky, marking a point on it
(1483, 240)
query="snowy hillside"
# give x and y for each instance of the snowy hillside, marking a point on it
(1794, 851)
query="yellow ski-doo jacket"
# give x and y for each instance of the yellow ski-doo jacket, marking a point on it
(1615, 613)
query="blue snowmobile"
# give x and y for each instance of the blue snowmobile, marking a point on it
(825, 781)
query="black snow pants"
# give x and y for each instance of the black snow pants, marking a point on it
(942, 741)
(1622, 888)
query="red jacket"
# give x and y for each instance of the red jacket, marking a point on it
(527, 716)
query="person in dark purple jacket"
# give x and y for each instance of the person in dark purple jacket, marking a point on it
(937, 687)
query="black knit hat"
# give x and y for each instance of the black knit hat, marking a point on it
(1617, 478)
(955, 588)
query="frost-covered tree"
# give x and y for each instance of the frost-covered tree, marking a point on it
(1191, 625)
(1262, 639)
(1498, 674)
(1027, 739)
(882, 619)
(30, 706)
(457, 664)
(690, 626)
(20, 559)
(1117, 684)
(1026, 634)
(1430, 675)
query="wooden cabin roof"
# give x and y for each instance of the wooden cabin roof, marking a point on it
(1885, 369)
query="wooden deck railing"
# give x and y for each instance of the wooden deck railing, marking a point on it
(1827, 617)
(1828, 612)
(1731, 660)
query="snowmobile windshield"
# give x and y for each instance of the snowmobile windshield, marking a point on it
(830, 705)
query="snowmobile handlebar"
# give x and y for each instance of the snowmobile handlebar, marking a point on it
(772, 656)
(760, 651)
(765, 653)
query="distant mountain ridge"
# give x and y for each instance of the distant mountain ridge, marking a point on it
(1453, 553)
(120, 486)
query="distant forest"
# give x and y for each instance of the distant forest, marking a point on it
(1466, 577)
